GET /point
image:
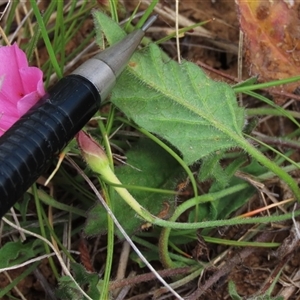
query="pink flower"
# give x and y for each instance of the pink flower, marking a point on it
(21, 86)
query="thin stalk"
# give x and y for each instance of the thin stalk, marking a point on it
(109, 175)
(110, 248)
(42, 229)
(46, 39)
(113, 10)
(47, 199)
(271, 166)
(147, 13)
(284, 112)
(243, 89)
(60, 36)
(57, 240)
(268, 111)
(106, 143)
(179, 160)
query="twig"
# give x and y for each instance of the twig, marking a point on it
(124, 291)
(277, 141)
(123, 261)
(149, 276)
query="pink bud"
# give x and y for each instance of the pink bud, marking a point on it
(21, 86)
(92, 152)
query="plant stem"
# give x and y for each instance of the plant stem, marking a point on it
(271, 166)
(46, 39)
(110, 249)
(243, 89)
(42, 230)
(165, 233)
(109, 175)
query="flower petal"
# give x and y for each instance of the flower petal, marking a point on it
(30, 77)
(21, 86)
(12, 59)
(27, 102)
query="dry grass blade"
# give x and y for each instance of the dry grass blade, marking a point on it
(170, 15)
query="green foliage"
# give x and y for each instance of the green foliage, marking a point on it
(211, 169)
(198, 116)
(14, 253)
(103, 24)
(148, 166)
(180, 103)
(149, 254)
(67, 289)
(226, 205)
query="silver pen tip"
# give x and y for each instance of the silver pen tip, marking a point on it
(149, 22)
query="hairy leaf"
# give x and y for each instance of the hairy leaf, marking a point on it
(183, 106)
(68, 290)
(180, 103)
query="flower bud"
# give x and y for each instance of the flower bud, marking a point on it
(92, 152)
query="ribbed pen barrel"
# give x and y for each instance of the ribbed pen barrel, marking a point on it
(29, 146)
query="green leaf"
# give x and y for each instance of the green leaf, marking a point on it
(14, 253)
(211, 169)
(148, 166)
(104, 24)
(183, 106)
(223, 207)
(68, 290)
(247, 82)
(180, 103)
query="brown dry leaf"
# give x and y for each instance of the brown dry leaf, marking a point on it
(272, 35)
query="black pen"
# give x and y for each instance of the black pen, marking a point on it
(29, 146)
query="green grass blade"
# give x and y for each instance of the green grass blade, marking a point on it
(46, 38)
